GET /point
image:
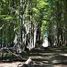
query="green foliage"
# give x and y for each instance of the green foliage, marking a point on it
(44, 27)
(49, 15)
(6, 17)
(41, 4)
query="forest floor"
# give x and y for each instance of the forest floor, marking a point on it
(15, 64)
(9, 64)
(48, 58)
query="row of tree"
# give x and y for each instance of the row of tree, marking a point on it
(25, 22)
(58, 22)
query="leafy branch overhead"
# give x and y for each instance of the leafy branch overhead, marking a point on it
(47, 15)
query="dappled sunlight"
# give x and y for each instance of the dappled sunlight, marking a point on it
(13, 64)
(35, 29)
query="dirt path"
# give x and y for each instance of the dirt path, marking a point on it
(13, 64)
(60, 65)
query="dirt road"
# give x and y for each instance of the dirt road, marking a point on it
(13, 64)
